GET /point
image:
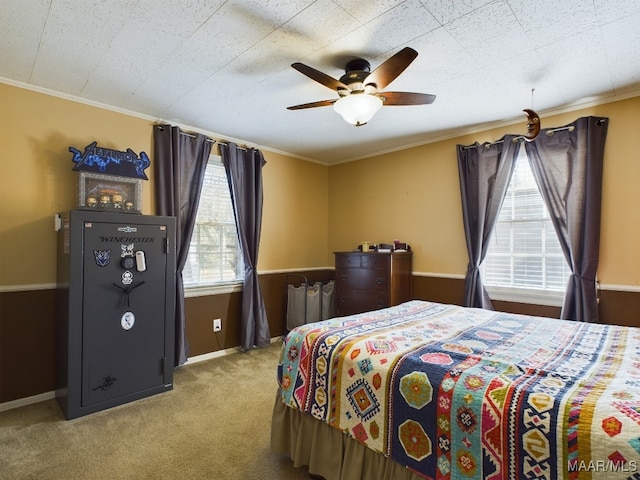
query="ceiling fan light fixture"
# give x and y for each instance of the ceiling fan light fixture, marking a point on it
(357, 109)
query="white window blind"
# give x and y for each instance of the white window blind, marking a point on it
(524, 252)
(214, 253)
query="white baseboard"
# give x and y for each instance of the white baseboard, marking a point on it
(218, 353)
(209, 356)
(23, 402)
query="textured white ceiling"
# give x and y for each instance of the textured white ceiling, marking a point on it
(224, 66)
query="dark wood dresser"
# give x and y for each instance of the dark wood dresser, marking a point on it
(371, 280)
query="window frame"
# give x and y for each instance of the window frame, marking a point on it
(534, 296)
(520, 294)
(222, 286)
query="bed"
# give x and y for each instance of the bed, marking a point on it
(428, 390)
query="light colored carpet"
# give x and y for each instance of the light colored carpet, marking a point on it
(214, 424)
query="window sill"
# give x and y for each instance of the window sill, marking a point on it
(207, 290)
(525, 295)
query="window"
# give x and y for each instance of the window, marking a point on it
(214, 252)
(524, 261)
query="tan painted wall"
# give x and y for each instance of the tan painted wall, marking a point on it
(414, 195)
(410, 195)
(295, 215)
(310, 210)
(36, 181)
(36, 177)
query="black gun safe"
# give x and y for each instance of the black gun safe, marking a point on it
(116, 304)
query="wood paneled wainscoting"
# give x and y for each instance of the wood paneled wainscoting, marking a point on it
(28, 330)
(201, 310)
(28, 319)
(27, 342)
(618, 305)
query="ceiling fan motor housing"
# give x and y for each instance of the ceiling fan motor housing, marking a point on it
(357, 65)
(356, 71)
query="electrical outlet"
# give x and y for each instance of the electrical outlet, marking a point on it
(217, 324)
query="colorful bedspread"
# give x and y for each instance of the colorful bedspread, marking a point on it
(458, 393)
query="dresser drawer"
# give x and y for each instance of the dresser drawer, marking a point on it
(375, 262)
(362, 279)
(350, 302)
(363, 260)
(350, 260)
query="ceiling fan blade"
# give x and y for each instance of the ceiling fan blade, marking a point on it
(391, 68)
(406, 98)
(319, 77)
(320, 103)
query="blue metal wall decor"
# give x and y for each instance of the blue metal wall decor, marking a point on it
(113, 162)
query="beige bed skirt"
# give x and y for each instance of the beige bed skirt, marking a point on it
(327, 451)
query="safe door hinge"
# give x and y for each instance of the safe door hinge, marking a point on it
(163, 365)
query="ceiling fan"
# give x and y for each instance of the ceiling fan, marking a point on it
(359, 89)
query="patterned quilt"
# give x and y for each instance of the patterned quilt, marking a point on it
(459, 393)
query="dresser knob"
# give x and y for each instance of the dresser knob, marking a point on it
(379, 281)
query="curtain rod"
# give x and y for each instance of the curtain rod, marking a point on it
(549, 133)
(238, 146)
(191, 135)
(210, 140)
(485, 144)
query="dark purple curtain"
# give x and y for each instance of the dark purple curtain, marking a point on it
(180, 162)
(244, 173)
(485, 172)
(567, 164)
